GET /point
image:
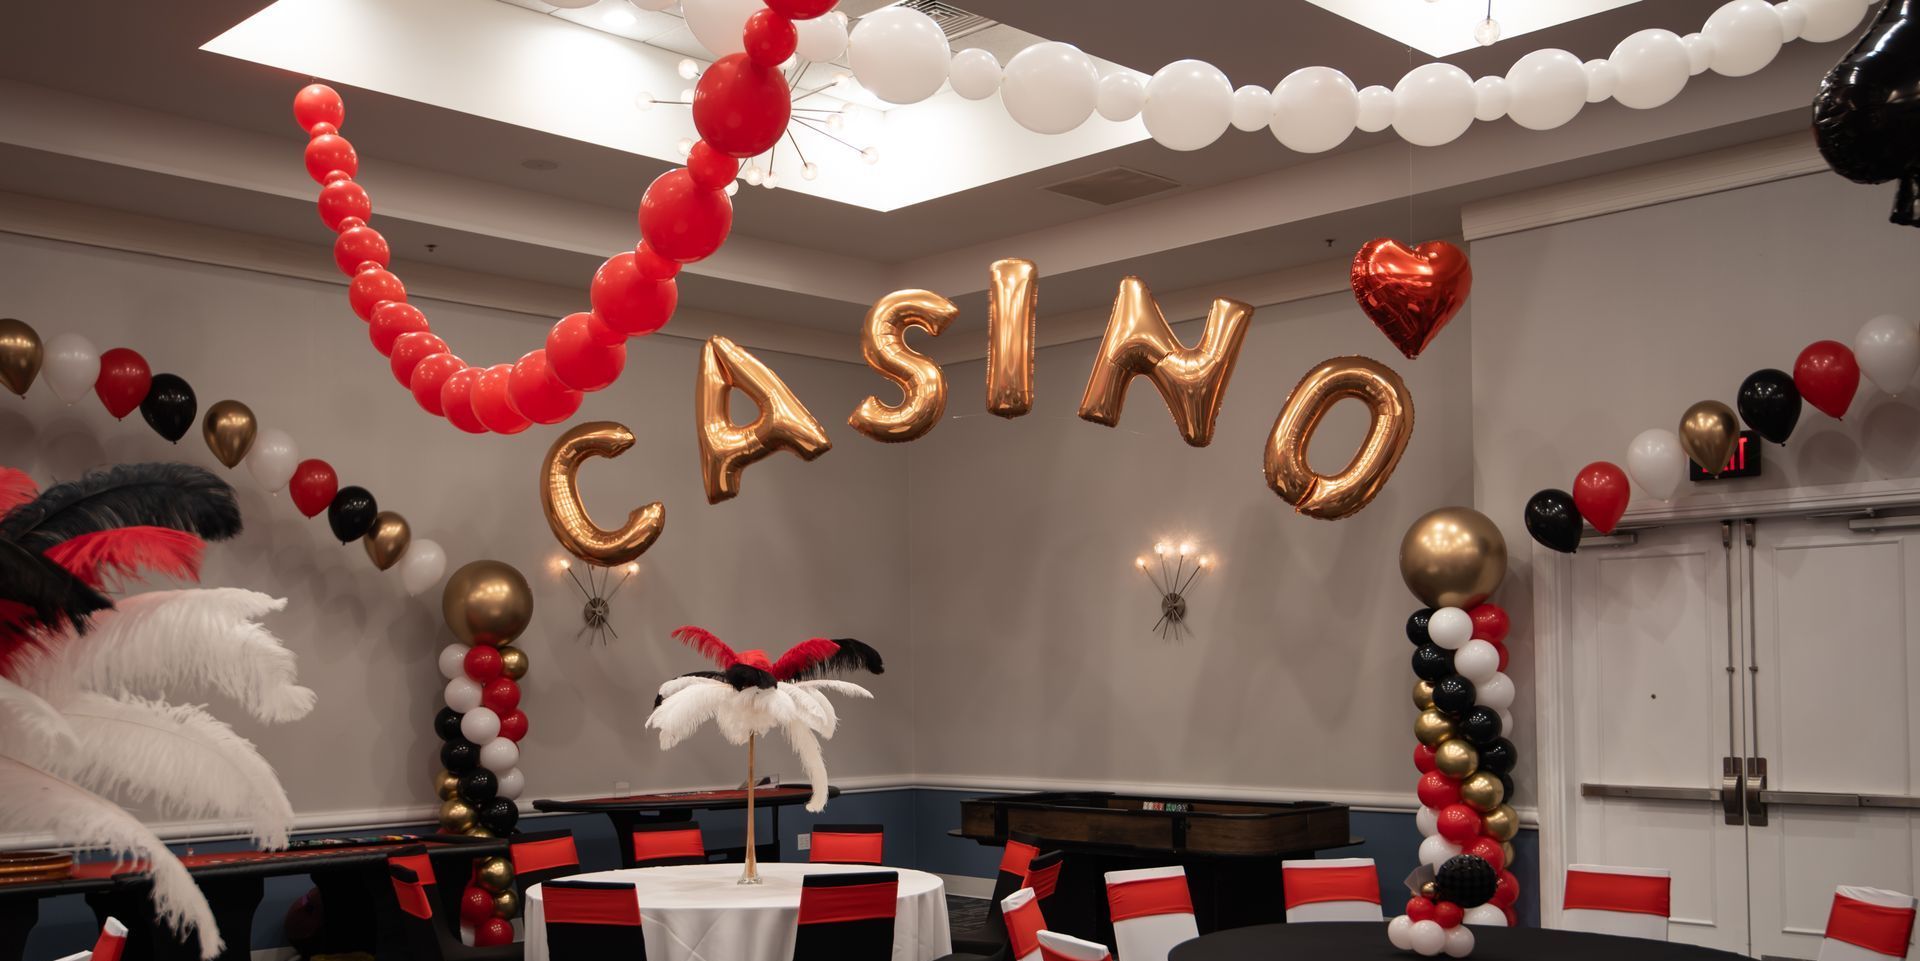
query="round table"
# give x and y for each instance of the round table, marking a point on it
(1346, 941)
(696, 912)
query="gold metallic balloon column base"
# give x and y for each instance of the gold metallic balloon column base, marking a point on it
(752, 874)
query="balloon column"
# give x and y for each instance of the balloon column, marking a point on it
(1453, 559)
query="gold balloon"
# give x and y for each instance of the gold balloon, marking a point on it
(1012, 305)
(1483, 792)
(1453, 557)
(1455, 757)
(1507, 853)
(456, 816)
(513, 662)
(387, 539)
(567, 513)
(229, 428)
(1708, 432)
(506, 904)
(479, 832)
(494, 875)
(487, 602)
(923, 389)
(1423, 695)
(20, 355)
(726, 449)
(1331, 497)
(1501, 823)
(1432, 728)
(447, 785)
(1193, 381)
(1430, 890)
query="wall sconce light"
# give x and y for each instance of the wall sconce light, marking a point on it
(599, 588)
(1172, 583)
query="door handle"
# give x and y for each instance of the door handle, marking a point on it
(1648, 792)
(1732, 790)
(1756, 789)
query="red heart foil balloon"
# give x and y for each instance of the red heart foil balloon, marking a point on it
(1411, 294)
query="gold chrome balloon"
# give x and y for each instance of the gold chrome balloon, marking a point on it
(387, 539)
(1483, 792)
(1423, 695)
(1192, 380)
(726, 449)
(1507, 853)
(1430, 890)
(1456, 758)
(456, 816)
(1501, 823)
(20, 355)
(487, 602)
(513, 662)
(447, 785)
(1453, 557)
(923, 389)
(1708, 432)
(229, 428)
(1012, 306)
(1432, 728)
(1331, 497)
(506, 904)
(479, 831)
(495, 875)
(567, 514)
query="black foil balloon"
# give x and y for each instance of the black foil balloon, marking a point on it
(1481, 726)
(1866, 117)
(1553, 520)
(478, 785)
(500, 815)
(1453, 695)
(446, 724)
(351, 513)
(169, 407)
(1417, 626)
(1466, 880)
(1499, 756)
(459, 755)
(1770, 404)
(1432, 662)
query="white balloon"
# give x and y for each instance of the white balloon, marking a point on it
(1888, 349)
(1490, 98)
(974, 74)
(1459, 941)
(1122, 94)
(1252, 108)
(719, 25)
(1829, 20)
(1745, 35)
(513, 782)
(1477, 661)
(463, 694)
(453, 661)
(70, 366)
(823, 38)
(272, 458)
(1601, 79)
(421, 566)
(1506, 722)
(1495, 692)
(1428, 938)
(1189, 104)
(1400, 933)
(1650, 68)
(1656, 463)
(1486, 916)
(1437, 850)
(499, 754)
(1450, 627)
(1314, 109)
(1427, 820)
(1793, 19)
(1433, 104)
(1375, 109)
(1546, 88)
(898, 53)
(480, 726)
(1050, 87)
(1699, 53)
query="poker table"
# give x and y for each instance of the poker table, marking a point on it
(626, 812)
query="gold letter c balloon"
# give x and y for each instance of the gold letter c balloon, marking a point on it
(567, 514)
(883, 342)
(1342, 494)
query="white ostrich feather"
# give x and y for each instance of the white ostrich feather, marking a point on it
(28, 714)
(847, 688)
(799, 708)
(812, 709)
(32, 800)
(690, 706)
(807, 747)
(177, 639)
(679, 684)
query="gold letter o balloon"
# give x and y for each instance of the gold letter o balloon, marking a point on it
(1343, 494)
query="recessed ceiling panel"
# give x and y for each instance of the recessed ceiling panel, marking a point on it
(1439, 28)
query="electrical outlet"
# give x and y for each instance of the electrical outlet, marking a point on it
(806, 841)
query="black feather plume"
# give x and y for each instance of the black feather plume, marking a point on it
(179, 496)
(55, 597)
(743, 676)
(852, 656)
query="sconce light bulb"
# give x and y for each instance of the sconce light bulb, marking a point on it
(1185, 549)
(1160, 548)
(1140, 562)
(1206, 562)
(633, 568)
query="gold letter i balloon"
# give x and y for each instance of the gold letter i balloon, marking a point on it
(883, 342)
(567, 513)
(1012, 302)
(725, 448)
(1192, 380)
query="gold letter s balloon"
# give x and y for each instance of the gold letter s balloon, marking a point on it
(229, 429)
(567, 514)
(1342, 494)
(1011, 303)
(726, 449)
(1709, 432)
(883, 342)
(1191, 380)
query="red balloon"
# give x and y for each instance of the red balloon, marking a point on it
(313, 485)
(502, 695)
(359, 245)
(513, 726)
(1489, 623)
(1423, 758)
(476, 905)
(580, 358)
(321, 130)
(123, 381)
(483, 662)
(801, 9)
(537, 394)
(493, 404)
(1827, 376)
(1459, 823)
(680, 220)
(390, 320)
(370, 287)
(1513, 917)
(1419, 909)
(651, 265)
(1507, 889)
(342, 199)
(1448, 914)
(1437, 790)
(629, 303)
(740, 107)
(1601, 492)
(1488, 850)
(429, 375)
(319, 103)
(710, 169)
(492, 933)
(770, 38)
(409, 349)
(1502, 648)
(330, 152)
(456, 400)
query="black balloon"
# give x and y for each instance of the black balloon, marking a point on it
(1499, 756)
(1553, 520)
(500, 815)
(1506, 785)
(351, 513)
(478, 785)
(1432, 662)
(1417, 626)
(459, 755)
(1481, 726)
(446, 724)
(169, 407)
(1770, 404)
(1466, 880)
(1453, 695)
(1866, 117)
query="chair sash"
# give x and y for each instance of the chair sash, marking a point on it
(851, 844)
(112, 941)
(1059, 947)
(1879, 928)
(673, 845)
(1151, 911)
(414, 896)
(592, 921)
(1625, 893)
(550, 854)
(1043, 874)
(847, 917)
(1146, 897)
(1318, 885)
(1021, 910)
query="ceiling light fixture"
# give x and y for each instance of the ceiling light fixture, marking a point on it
(1487, 32)
(689, 68)
(619, 17)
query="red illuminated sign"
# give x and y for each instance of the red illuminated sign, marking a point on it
(1744, 463)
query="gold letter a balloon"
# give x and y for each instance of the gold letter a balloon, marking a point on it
(567, 514)
(726, 449)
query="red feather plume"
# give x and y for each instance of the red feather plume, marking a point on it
(128, 552)
(16, 488)
(709, 646)
(803, 655)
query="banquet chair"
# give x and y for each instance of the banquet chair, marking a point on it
(1061, 947)
(542, 856)
(112, 942)
(1015, 859)
(1025, 921)
(1152, 911)
(1630, 902)
(1333, 889)
(1043, 874)
(1867, 924)
(427, 938)
(592, 921)
(846, 844)
(847, 917)
(659, 845)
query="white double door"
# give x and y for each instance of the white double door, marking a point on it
(1742, 711)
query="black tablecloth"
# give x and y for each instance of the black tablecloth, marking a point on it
(1368, 942)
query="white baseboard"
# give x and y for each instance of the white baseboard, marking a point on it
(960, 885)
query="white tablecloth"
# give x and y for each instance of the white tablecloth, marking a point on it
(697, 912)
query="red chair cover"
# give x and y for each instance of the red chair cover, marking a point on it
(1628, 893)
(1315, 885)
(1149, 896)
(1880, 929)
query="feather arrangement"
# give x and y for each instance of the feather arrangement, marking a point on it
(179, 496)
(16, 488)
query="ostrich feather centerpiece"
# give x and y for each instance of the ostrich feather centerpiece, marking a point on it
(750, 696)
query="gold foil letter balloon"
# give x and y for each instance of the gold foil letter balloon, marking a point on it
(883, 342)
(1193, 381)
(726, 449)
(1343, 494)
(229, 428)
(1453, 557)
(567, 513)
(487, 602)
(1011, 304)
(1708, 432)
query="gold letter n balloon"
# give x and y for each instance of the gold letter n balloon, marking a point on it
(1192, 380)
(1331, 497)
(567, 513)
(726, 448)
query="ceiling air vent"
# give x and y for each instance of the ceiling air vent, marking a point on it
(954, 21)
(1114, 185)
